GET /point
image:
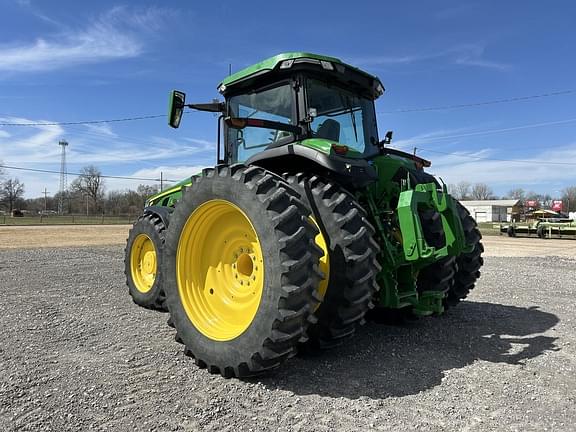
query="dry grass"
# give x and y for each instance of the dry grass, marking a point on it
(26, 237)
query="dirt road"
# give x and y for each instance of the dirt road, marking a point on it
(76, 354)
(25, 237)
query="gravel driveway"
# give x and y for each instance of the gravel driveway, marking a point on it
(77, 354)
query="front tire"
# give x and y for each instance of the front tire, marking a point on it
(143, 262)
(241, 270)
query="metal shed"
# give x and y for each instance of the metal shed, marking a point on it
(493, 210)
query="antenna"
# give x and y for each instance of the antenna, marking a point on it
(63, 177)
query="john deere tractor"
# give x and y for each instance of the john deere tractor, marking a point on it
(307, 221)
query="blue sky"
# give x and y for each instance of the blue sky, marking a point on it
(75, 61)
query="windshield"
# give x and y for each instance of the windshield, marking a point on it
(275, 104)
(342, 116)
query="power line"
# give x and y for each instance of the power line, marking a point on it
(401, 110)
(87, 122)
(535, 161)
(90, 122)
(495, 131)
(80, 174)
(475, 104)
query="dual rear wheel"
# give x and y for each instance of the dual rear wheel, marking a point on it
(255, 265)
(241, 270)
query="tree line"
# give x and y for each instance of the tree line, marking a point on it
(481, 191)
(87, 195)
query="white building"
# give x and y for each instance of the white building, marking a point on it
(493, 210)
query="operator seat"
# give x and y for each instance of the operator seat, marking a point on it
(330, 130)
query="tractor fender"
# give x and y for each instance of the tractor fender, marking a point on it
(350, 171)
(163, 213)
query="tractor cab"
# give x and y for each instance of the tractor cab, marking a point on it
(299, 108)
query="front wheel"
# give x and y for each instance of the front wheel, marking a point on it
(143, 262)
(241, 270)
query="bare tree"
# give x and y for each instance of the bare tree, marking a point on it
(460, 191)
(481, 191)
(569, 196)
(10, 191)
(91, 184)
(147, 190)
(517, 193)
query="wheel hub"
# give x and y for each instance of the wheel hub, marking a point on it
(143, 263)
(220, 270)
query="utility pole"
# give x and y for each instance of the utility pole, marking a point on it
(45, 200)
(161, 181)
(63, 176)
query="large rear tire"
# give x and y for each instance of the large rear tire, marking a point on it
(438, 276)
(467, 264)
(350, 277)
(241, 270)
(143, 262)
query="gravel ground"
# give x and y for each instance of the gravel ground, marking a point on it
(77, 354)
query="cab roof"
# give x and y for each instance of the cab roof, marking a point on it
(285, 61)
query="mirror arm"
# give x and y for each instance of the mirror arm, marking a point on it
(210, 107)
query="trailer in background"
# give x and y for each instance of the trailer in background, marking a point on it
(542, 228)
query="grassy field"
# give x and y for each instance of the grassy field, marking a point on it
(488, 228)
(67, 220)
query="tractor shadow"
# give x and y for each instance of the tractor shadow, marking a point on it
(391, 361)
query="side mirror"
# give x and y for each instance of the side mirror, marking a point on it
(176, 108)
(388, 137)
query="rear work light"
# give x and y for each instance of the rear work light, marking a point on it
(340, 149)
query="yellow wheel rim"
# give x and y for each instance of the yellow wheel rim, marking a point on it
(220, 270)
(143, 263)
(324, 262)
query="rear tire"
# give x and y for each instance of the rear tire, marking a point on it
(467, 264)
(353, 264)
(143, 262)
(438, 276)
(239, 226)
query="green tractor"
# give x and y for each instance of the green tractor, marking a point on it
(307, 222)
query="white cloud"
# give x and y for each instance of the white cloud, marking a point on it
(410, 143)
(533, 172)
(36, 146)
(465, 54)
(170, 174)
(41, 143)
(103, 129)
(113, 35)
(473, 55)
